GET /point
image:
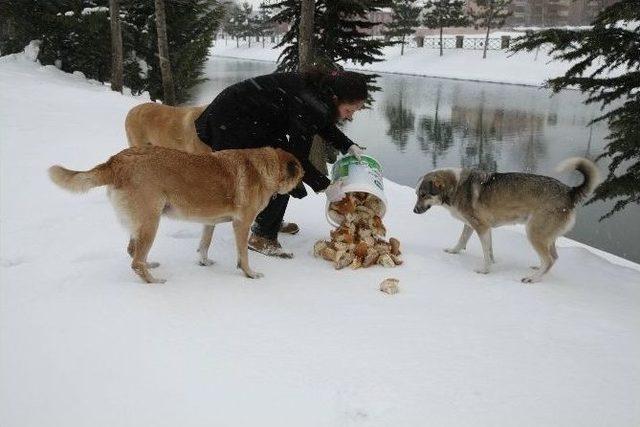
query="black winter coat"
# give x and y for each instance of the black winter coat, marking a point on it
(278, 110)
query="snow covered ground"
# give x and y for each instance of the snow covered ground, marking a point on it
(84, 342)
(523, 68)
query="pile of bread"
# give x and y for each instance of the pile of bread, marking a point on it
(359, 239)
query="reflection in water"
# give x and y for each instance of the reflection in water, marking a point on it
(401, 120)
(435, 135)
(417, 124)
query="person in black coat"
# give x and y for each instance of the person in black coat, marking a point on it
(284, 110)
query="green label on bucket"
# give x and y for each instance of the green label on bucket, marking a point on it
(341, 167)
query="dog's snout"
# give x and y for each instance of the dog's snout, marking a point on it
(420, 209)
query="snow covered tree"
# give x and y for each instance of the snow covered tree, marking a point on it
(234, 22)
(491, 14)
(405, 19)
(75, 35)
(264, 22)
(444, 13)
(248, 24)
(606, 66)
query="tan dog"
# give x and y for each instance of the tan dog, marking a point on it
(165, 126)
(146, 182)
(485, 200)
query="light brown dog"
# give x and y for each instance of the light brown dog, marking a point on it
(485, 200)
(165, 126)
(146, 182)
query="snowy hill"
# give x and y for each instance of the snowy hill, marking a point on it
(84, 343)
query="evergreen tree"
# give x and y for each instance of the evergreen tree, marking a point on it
(339, 32)
(405, 19)
(491, 14)
(236, 22)
(264, 22)
(606, 66)
(444, 13)
(248, 24)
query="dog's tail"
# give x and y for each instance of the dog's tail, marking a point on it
(589, 171)
(81, 181)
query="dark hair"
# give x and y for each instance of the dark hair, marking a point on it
(346, 86)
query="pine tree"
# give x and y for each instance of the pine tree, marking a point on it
(444, 13)
(339, 32)
(491, 14)
(248, 25)
(191, 25)
(405, 19)
(606, 66)
(264, 22)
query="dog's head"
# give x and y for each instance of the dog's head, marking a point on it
(435, 188)
(291, 171)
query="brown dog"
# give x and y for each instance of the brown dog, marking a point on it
(165, 126)
(146, 182)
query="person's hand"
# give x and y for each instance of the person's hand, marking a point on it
(334, 192)
(356, 150)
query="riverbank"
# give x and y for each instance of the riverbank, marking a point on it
(528, 69)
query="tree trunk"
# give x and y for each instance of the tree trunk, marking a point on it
(305, 35)
(402, 46)
(163, 54)
(117, 78)
(486, 39)
(441, 40)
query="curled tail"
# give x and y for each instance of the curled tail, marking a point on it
(81, 181)
(588, 170)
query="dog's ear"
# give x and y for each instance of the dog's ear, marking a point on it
(435, 187)
(292, 168)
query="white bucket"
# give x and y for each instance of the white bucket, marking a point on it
(364, 175)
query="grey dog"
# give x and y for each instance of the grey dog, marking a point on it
(485, 200)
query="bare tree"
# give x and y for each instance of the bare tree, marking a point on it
(163, 54)
(305, 47)
(116, 46)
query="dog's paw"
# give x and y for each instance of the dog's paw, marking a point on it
(531, 279)
(206, 262)
(482, 270)
(452, 251)
(254, 275)
(286, 255)
(154, 281)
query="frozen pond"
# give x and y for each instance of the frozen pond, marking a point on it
(417, 124)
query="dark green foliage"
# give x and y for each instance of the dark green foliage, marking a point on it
(606, 66)
(405, 19)
(75, 35)
(339, 35)
(338, 32)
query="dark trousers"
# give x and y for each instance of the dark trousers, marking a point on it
(268, 221)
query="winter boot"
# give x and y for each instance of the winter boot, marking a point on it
(289, 228)
(269, 247)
